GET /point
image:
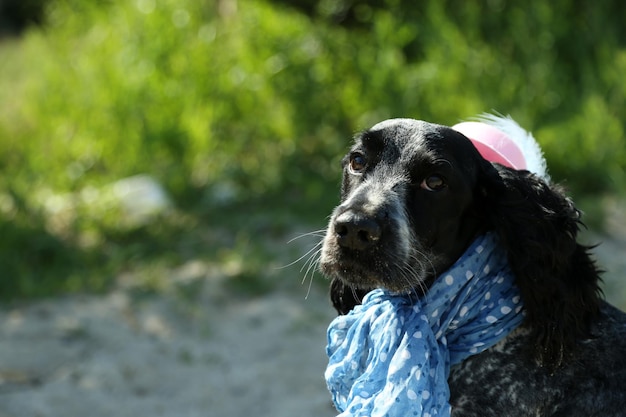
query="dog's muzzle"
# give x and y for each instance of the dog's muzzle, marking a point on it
(368, 238)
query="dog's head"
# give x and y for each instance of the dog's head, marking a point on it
(407, 207)
(414, 195)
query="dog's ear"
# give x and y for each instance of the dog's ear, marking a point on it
(558, 280)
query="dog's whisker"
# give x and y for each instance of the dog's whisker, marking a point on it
(302, 257)
(312, 254)
(423, 259)
(311, 257)
(356, 295)
(410, 277)
(311, 264)
(314, 264)
(316, 233)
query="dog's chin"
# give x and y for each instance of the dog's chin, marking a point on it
(364, 272)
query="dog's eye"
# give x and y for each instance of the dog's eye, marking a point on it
(433, 183)
(357, 162)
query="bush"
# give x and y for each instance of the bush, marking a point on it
(231, 106)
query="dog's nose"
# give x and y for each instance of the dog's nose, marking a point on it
(356, 231)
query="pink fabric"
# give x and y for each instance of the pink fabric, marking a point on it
(493, 144)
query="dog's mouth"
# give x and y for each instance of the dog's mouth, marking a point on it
(356, 268)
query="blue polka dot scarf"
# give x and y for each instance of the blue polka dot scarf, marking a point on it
(391, 356)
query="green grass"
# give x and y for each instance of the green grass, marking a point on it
(243, 119)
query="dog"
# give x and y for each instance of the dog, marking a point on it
(414, 195)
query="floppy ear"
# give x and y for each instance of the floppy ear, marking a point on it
(558, 280)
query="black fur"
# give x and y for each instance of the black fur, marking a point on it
(393, 230)
(538, 226)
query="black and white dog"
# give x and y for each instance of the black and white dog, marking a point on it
(414, 196)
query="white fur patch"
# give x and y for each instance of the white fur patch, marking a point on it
(531, 150)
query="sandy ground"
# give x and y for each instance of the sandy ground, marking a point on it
(125, 354)
(129, 353)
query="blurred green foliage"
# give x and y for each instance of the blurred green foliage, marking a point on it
(242, 111)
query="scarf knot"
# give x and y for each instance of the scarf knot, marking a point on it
(391, 355)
